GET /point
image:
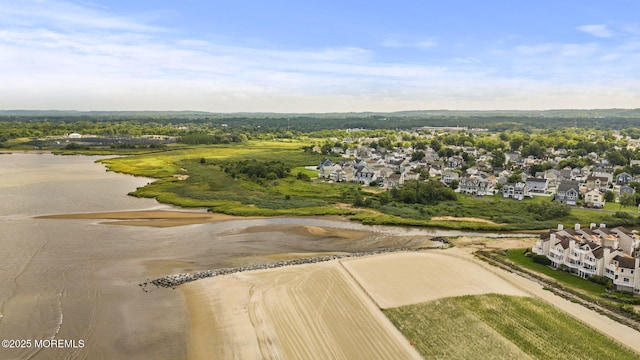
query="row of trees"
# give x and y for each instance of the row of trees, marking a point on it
(418, 192)
(215, 137)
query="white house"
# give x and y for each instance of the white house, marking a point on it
(537, 185)
(449, 176)
(594, 198)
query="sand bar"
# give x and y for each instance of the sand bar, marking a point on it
(156, 218)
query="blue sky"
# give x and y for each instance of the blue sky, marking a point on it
(319, 56)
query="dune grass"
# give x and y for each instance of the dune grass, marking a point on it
(500, 327)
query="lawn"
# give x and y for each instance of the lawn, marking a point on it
(563, 278)
(592, 290)
(500, 327)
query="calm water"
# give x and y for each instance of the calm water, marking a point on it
(79, 279)
(69, 279)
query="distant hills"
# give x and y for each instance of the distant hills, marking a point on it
(565, 113)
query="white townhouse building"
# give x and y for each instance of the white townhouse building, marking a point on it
(449, 176)
(478, 184)
(596, 250)
(516, 191)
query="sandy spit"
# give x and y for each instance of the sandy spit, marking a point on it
(156, 218)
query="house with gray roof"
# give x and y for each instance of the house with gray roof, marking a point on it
(537, 185)
(568, 193)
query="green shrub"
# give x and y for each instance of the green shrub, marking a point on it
(622, 215)
(602, 280)
(541, 259)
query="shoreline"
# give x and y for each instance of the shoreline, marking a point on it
(173, 280)
(183, 216)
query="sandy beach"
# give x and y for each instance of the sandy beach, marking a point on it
(332, 310)
(313, 311)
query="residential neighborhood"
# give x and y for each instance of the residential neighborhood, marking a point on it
(473, 171)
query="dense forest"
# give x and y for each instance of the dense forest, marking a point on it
(30, 124)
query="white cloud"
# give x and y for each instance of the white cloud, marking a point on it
(66, 16)
(528, 50)
(578, 50)
(427, 43)
(62, 55)
(423, 44)
(598, 30)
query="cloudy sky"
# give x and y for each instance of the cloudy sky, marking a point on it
(319, 56)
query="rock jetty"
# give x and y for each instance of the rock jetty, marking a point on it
(171, 281)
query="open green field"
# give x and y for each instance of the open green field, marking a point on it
(500, 327)
(563, 278)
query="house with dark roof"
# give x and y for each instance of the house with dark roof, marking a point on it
(624, 189)
(623, 270)
(597, 182)
(568, 193)
(624, 178)
(325, 167)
